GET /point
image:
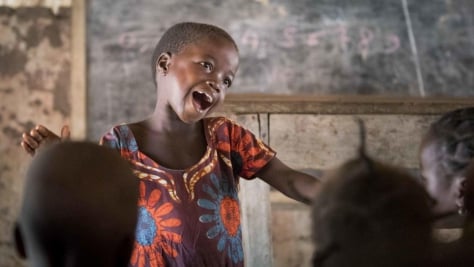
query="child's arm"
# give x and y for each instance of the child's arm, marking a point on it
(294, 184)
(41, 136)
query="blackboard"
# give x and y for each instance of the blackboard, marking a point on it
(315, 47)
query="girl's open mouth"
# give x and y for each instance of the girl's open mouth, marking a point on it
(202, 101)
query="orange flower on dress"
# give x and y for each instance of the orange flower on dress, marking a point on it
(225, 217)
(153, 237)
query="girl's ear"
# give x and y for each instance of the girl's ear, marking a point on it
(19, 242)
(163, 62)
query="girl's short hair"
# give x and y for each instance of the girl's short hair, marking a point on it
(366, 207)
(182, 34)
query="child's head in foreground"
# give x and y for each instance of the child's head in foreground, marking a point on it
(79, 207)
(193, 65)
(371, 214)
(446, 151)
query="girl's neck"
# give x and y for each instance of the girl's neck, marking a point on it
(168, 122)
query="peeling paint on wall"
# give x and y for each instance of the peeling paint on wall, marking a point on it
(34, 89)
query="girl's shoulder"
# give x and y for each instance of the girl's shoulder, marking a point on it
(220, 121)
(119, 131)
(222, 129)
(120, 136)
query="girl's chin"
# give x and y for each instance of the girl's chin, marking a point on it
(192, 118)
(195, 115)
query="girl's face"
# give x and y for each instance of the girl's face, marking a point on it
(198, 77)
(444, 189)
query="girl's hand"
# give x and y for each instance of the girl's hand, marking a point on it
(41, 136)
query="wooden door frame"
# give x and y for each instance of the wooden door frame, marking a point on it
(78, 88)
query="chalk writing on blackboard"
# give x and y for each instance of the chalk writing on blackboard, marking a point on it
(366, 40)
(291, 37)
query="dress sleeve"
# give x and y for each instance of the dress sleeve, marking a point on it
(120, 138)
(248, 153)
(110, 140)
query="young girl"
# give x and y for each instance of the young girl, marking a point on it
(189, 164)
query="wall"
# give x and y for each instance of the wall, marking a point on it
(35, 70)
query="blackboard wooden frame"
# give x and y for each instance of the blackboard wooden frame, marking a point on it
(300, 104)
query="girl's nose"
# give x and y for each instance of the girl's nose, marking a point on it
(214, 85)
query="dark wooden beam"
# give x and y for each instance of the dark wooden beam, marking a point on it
(261, 103)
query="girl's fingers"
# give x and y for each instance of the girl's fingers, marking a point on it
(30, 141)
(36, 135)
(65, 133)
(43, 131)
(47, 134)
(27, 148)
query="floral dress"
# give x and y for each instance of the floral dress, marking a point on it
(191, 217)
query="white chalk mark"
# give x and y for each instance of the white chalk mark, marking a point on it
(414, 50)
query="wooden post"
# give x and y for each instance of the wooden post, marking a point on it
(78, 70)
(256, 213)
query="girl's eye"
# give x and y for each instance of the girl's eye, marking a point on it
(228, 82)
(208, 66)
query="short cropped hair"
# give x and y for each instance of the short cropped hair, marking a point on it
(182, 34)
(453, 138)
(368, 213)
(80, 200)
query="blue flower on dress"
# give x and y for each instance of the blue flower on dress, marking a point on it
(225, 208)
(146, 227)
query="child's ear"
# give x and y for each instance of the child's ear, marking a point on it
(19, 242)
(163, 62)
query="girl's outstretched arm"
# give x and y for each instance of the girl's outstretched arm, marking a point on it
(294, 184)
(41, 136)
